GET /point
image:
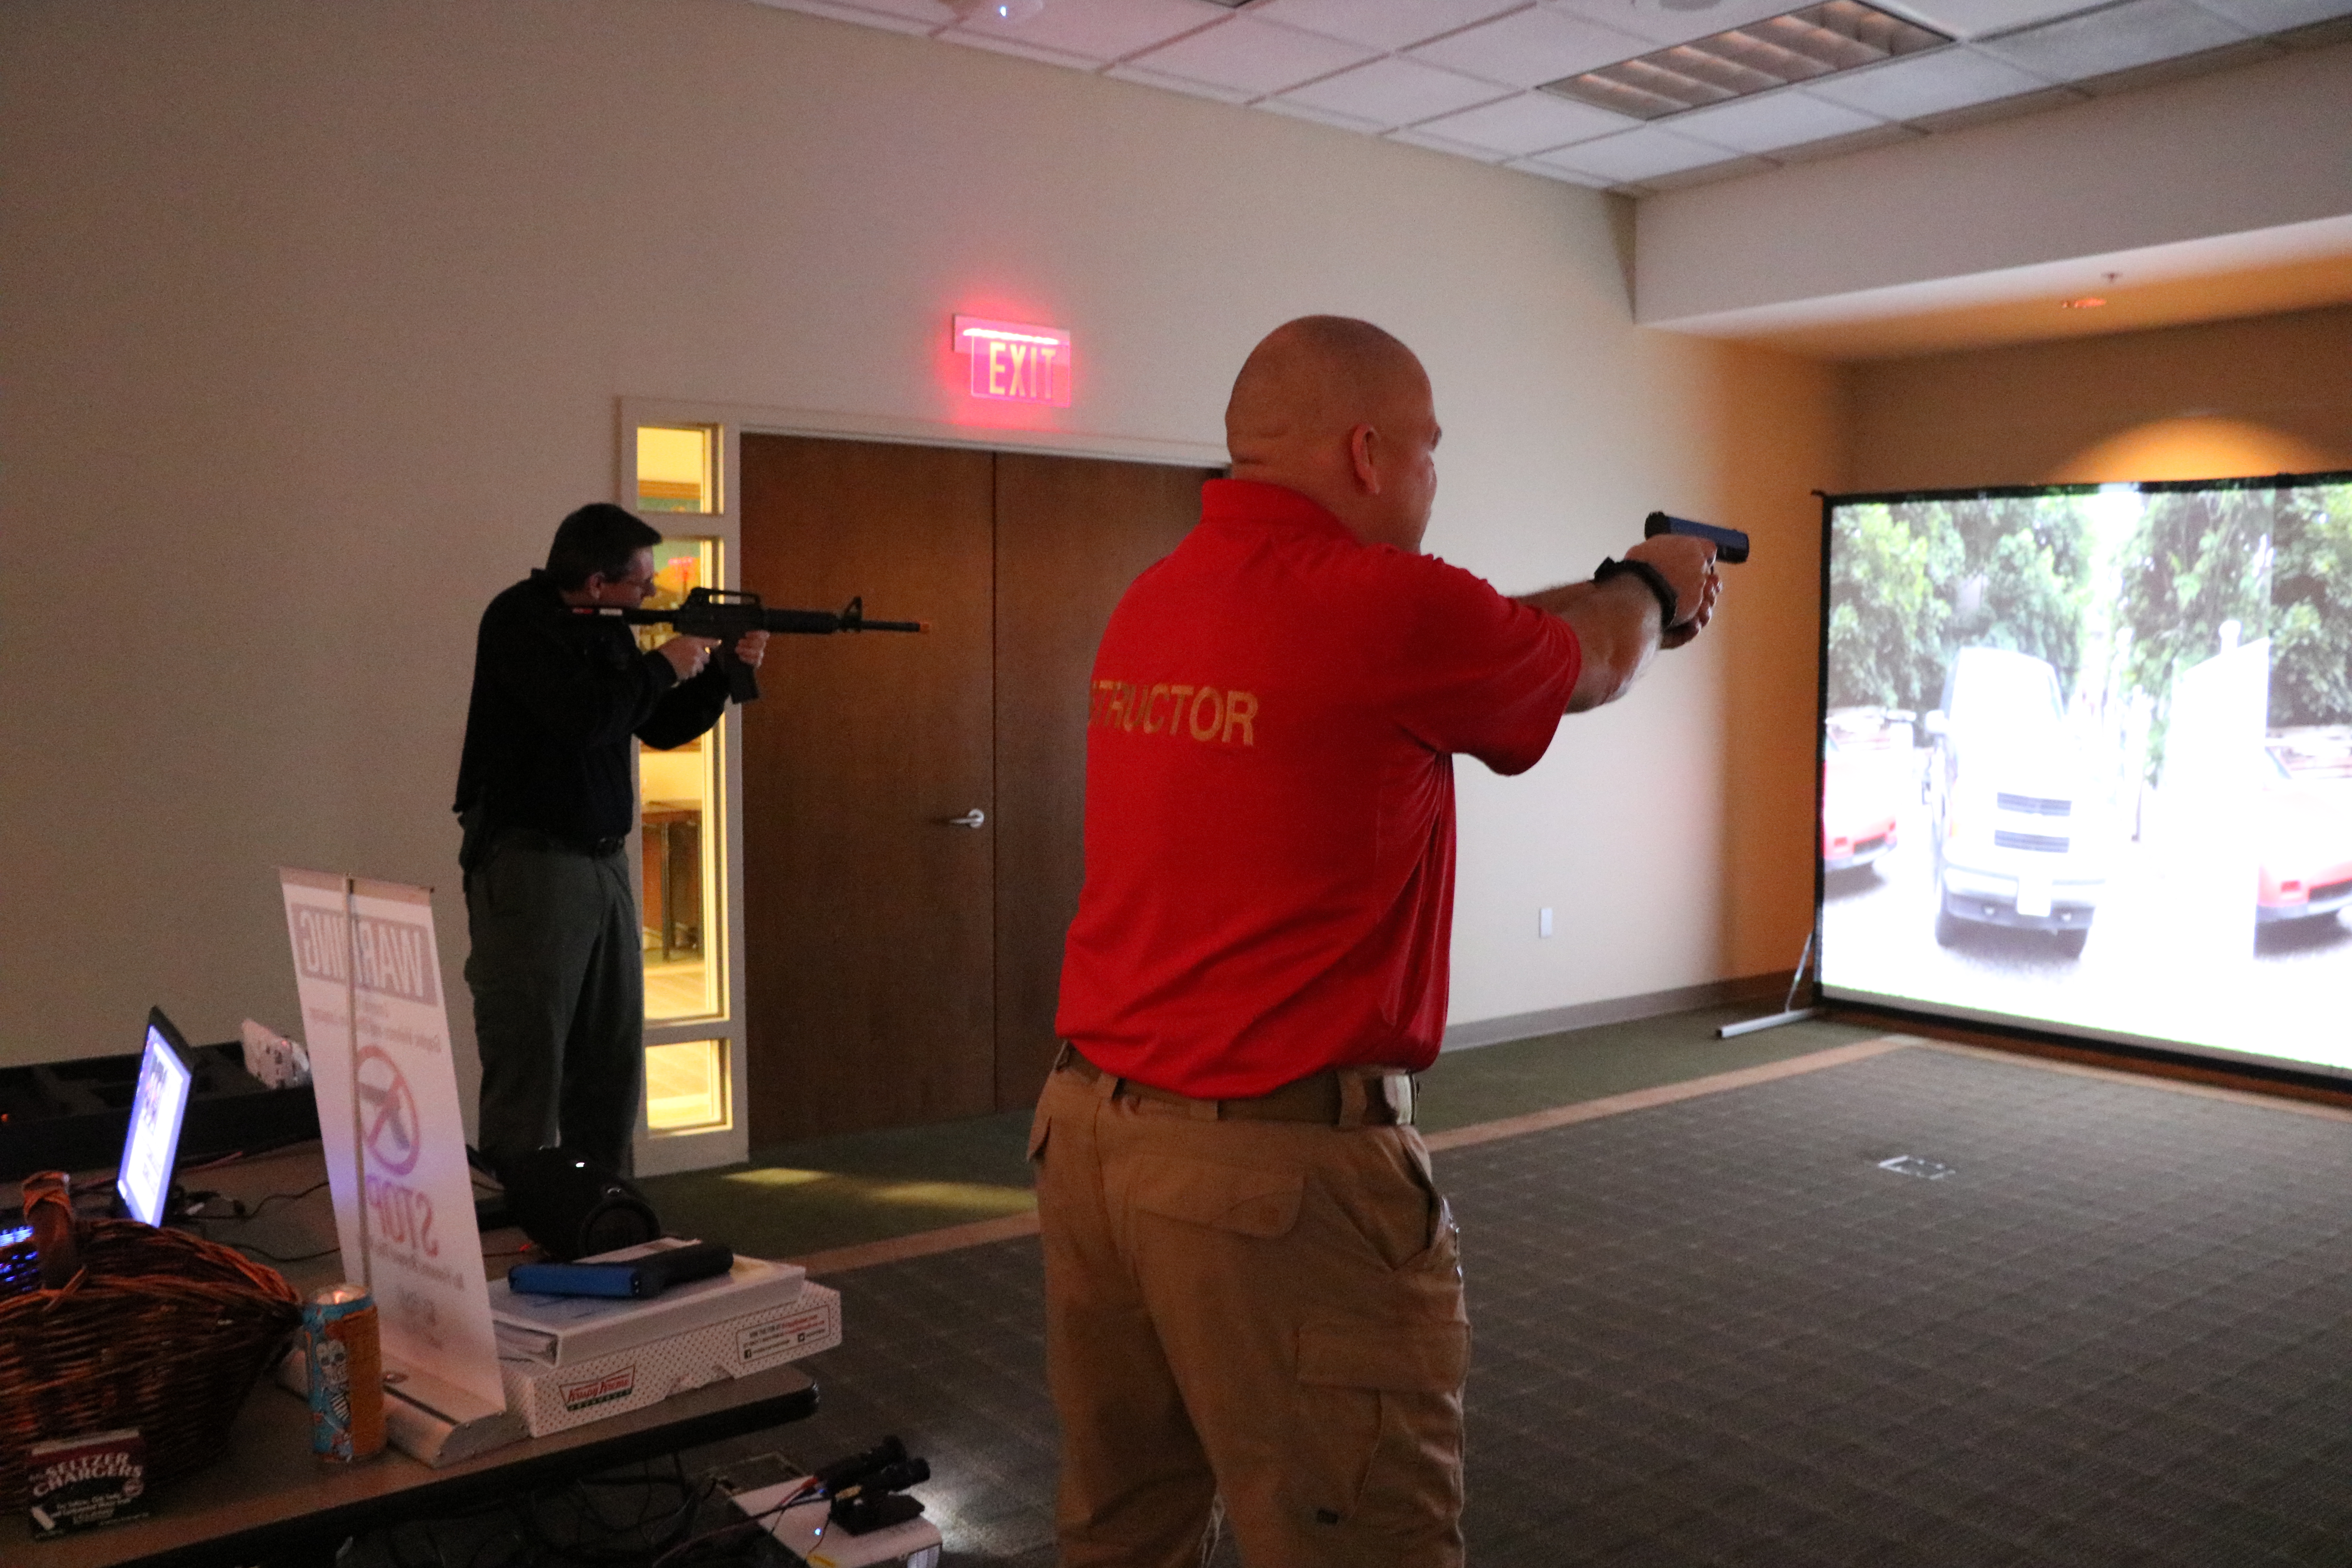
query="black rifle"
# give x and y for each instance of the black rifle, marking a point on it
(1730, 544)
(725, 615)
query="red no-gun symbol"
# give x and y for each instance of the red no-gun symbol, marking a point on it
(388, 1111)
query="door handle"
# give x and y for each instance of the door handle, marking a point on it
(975, 818)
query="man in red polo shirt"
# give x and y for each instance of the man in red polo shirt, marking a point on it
(1252, 1291)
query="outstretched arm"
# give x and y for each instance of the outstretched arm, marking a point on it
(1618, 621)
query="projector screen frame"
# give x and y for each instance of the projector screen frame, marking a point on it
(2059, 1034)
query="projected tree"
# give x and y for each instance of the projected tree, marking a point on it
(2198, 563)
(2025, 567)
(1912, 583)
(2311, 607)
(1886, 619)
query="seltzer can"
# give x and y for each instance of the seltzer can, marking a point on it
(345, 1351)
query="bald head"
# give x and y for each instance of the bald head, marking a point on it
(1312, 379)
(1340, 411)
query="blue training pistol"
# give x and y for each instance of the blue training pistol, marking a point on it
(1730, 544)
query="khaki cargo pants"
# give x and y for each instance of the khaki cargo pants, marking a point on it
(1268, 1312)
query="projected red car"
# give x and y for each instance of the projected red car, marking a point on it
(2306, 829)
(1865, 773)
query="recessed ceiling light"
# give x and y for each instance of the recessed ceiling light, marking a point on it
(1799, 46)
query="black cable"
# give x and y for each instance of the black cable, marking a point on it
(254, 1212)
(245, 1216)
(616, 1551)
(271, 1257)
(809, 1490)
(513, 1537)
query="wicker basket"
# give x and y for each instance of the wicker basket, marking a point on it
(159, 1330)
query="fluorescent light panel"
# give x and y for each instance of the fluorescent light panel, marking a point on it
(1800, 45)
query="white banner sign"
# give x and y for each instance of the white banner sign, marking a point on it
(389, 1116)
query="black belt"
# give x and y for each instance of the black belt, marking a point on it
(532, 838)
(1384, 1096)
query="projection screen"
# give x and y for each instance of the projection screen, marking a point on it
(2086, 761)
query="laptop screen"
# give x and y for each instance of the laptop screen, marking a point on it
(144, 1182)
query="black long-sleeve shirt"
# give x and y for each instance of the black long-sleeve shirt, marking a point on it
(556, 698)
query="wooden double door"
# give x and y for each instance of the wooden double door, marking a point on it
(913, 805)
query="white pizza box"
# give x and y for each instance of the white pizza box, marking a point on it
(551, 1397)
(565, 1329)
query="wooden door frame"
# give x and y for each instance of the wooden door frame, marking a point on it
(659, 1154)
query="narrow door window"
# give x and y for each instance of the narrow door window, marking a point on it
(676, 795)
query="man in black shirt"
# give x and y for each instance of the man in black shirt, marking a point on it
(546, 797)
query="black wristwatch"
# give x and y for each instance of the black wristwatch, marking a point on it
(1668, 600)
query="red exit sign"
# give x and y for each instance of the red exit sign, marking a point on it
(1013, 361)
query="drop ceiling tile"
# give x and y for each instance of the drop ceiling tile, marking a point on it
(1021, 47)
(1839, 146)
(1528, 123)
(1180, 84)
(1663, 24)
(1247, 56)
(1705, 175)
(2277, 16)
(1394, 92)
(1974, 18)
(1636, 155)
(1533, 46)
(1100, 30)
(2132, 34)
(2000, 108)
(1319, 116)
(1382, 24)
(1788, 118)
(1420, 138)
(910, 15)
(2180, 67)
(1926, 84)
(1565, 176)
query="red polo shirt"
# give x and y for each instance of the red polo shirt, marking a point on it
(1270, 796)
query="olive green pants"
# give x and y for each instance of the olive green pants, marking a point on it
(1265, 1312)
(558, 975)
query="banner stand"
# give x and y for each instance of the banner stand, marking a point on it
(368, 968)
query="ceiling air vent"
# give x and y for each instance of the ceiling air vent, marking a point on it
(1817, 41)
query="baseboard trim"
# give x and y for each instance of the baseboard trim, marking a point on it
(1478, 1032)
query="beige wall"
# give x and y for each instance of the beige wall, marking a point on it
(2219, 157)
(2270, 395)
(315, 319)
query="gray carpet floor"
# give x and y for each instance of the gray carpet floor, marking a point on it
(1924, 1309)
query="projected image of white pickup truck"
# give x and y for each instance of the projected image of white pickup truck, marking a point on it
(2012, 817)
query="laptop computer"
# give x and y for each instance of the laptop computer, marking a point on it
(151, 1146)
(160, 1104)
